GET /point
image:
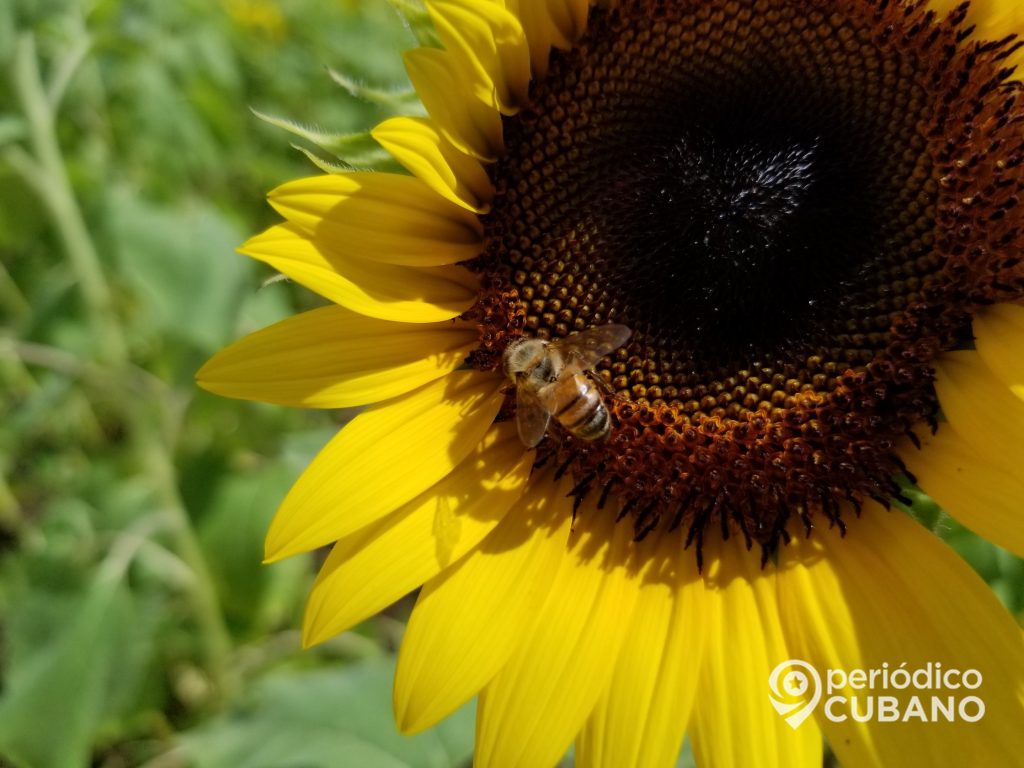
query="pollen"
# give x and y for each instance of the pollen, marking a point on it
(795, 205)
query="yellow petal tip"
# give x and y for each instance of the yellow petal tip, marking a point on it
(206, 377)
(311, 638)
(407, 725)
(317, 625)
(201, 379)
(275, 551)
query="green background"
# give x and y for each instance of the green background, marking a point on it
(137, 626)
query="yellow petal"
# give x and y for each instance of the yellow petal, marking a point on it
(549, 23)
(641, 717)
(734, 721)
(991, 19)
(987, 499)
(335, 358)
(980, 408)
(488, 44)
(891, 593)
(384, 291)
(417, 145)
(374, 567)
(469, 619)
(999, 336)
(472, 125)
(383, 217)
(385, 457)
(531, 711)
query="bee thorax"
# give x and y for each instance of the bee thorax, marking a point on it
(525, 355)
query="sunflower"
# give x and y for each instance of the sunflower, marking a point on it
(807, 213)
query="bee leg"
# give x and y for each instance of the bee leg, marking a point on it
(601, 383)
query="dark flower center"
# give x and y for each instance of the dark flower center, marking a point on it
(795, 205)
(708, 235)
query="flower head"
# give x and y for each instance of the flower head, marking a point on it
(806, 214)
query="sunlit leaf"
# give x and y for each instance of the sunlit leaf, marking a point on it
(324, 718)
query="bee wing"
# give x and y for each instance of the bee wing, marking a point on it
(532, 417)
(583, 350)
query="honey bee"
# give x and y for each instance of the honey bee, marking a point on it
(551, 380)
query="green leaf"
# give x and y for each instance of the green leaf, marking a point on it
(922, 507)
(182, 264)
(415, 14)
(686, 758)
(268, 304)
(327, 166)
(8, 31)
(12, 128)
(354, 150)
(53, 701)
(256, 597)
(403, 99)
(323, 718)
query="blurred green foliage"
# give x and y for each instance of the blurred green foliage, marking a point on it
(137, 624)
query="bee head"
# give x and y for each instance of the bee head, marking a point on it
(522, 356)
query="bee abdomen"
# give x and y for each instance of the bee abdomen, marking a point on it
(584, 415)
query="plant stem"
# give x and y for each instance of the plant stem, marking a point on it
(58, 196)
(44, 173)
(217, 646)
(12, 296)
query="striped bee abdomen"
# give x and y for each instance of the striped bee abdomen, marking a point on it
(580, 409)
